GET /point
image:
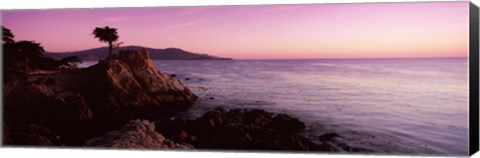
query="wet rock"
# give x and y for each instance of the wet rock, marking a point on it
(136, 134)
(257, 117)
(208, 123)
(286, 123)
(241, 129)
(328, 136)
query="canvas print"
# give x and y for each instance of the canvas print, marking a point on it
(360, 78)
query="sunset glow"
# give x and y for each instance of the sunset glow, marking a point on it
(370, 30)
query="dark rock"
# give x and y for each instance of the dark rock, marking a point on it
(257, 117)
(49, 81)
(328, 136)
(135, 134)
(85, 103)
(286, 123)
(241, 129)
(31, 134)
(183, 136)
(208, 123)
(170, 144)
(173, 75)
(187, 79)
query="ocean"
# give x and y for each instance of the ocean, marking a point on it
(391, 106)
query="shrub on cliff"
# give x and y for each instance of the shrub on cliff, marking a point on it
(23, 56)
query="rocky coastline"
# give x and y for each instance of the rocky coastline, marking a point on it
(85, 103)
(125, 102)
(240, 129)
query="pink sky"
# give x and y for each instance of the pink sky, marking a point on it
(375, 30)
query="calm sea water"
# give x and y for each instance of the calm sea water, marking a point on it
(401, 106)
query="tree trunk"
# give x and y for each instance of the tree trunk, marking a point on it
(26, 66)
(110, 49)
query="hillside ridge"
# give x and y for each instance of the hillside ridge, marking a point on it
(100, 53)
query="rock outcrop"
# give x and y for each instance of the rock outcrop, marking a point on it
(240, 129)
(136, 134)
(82, 104)
(31, 134)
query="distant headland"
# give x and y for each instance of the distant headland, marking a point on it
(155, 54)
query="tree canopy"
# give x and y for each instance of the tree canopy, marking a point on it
(29, 49)
(108, 35)
(21, 56)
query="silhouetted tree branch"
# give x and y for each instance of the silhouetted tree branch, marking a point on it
(7, 36)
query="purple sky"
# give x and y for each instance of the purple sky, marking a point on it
(375, 30)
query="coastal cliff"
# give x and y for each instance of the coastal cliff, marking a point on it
(104, 105)
(77, 105)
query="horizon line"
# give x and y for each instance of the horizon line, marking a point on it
(392, 58)
(342, 58)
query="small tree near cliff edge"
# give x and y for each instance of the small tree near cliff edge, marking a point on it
(108, 35)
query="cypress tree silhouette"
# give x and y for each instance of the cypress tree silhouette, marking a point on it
(28, 50)
(108, 35)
